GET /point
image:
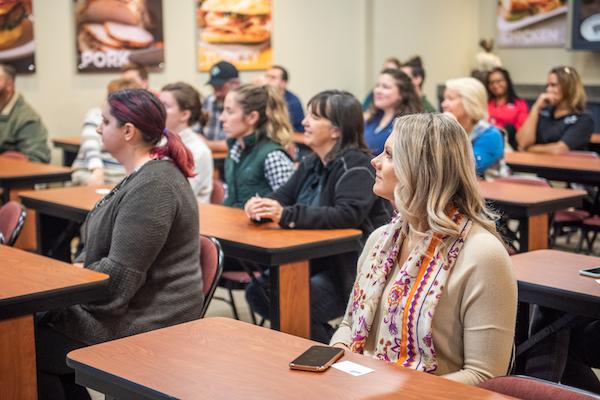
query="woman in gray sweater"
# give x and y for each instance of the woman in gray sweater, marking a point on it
(144, 234)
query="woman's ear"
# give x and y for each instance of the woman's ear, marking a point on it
(129, 131)
(252, 117)
(335, 133)
(185, 116)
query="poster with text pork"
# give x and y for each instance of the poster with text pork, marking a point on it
(531, 23)
(113, 33)
(17, 47)
(238, 31)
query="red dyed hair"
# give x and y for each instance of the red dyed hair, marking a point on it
(145, 111)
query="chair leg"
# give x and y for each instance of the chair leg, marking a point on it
(232, 304)
(252, 316)
(584, 233)
(591, 242)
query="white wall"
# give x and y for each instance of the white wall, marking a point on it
(321, 41)
(324, 44)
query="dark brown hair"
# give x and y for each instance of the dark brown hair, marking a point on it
(187, 98)
(409, 103)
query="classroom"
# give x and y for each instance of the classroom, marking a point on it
(206, 199)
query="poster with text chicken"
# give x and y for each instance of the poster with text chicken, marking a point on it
(531, 23)
(113, 33)
(238, 31)
(17, 47)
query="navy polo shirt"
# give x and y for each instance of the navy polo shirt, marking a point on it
(574, 130)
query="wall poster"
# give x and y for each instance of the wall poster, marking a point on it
(238, 31)
(17, 46)
(113, 33)
(531, 23)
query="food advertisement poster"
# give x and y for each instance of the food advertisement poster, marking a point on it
(238, 31)
(585, 25)
(16, 35)
(531, 23)
(113, 33)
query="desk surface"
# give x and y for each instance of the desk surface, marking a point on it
(552, 161)
(219, 358)
(33, 283)
(11, 169)
(551, 278)
(514, 193)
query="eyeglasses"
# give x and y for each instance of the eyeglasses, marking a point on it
(496, 81)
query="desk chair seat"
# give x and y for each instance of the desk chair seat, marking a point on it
(12, 218)
(218, 192)
(237, 280)
(528, 388)
(16, 155)
(211, 263)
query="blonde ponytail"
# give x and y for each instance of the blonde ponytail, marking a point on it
(273, 117)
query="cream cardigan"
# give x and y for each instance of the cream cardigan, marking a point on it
(474, 322)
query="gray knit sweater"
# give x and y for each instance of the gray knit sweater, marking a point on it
(145, 236)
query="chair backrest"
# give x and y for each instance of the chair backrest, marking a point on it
(218, 192)
(12, 218)
(15, 155)
(582, 154)
(524, 180)
(528, 388)
(211, 263)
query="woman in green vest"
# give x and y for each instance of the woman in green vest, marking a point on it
(256, 122)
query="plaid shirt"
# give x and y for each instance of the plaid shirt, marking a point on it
(214, 128)
(278, 167)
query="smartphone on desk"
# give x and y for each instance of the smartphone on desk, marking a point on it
(593, 272)
(317, 358)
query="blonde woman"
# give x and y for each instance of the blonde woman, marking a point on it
(466, 100)
(434, 289)
(256, 122)
(557, 123)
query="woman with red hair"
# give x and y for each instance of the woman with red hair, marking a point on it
(143, 233)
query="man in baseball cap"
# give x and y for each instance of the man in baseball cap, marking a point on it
(224, 76)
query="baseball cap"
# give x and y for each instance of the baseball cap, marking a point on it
(221, 72)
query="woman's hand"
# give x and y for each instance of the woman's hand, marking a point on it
(251, 205)
(543, 100)
(341, 346)
(262, 208)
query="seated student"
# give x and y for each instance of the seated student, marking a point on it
(389, 63)
(331, 189)
(505, 109)
(414, 69)
(557, 122)
(224, 77)
(393, 96)
(93, 165)
(435, 290)
(279, 77)
(21, 128)
(184, 109)
(144, 234)
(466, 100)
(257, 126)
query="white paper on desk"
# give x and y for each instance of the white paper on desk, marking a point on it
(352, 368)
(598, 281)
(103, 191)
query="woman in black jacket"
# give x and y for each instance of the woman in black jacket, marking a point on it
(332, 189)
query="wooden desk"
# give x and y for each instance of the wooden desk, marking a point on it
(551, 278)
(25, 174)
(595, 143)
(531, 206)
(560, 168)
(285, 251)
(219, 358)
(69, 146)
(32, 283)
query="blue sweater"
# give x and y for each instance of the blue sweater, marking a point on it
(488, 146)
(295, 110)
(375, 138)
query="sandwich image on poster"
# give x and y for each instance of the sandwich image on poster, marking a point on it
(113, 33)
(531, 23)
(238, 31)
(16, 35)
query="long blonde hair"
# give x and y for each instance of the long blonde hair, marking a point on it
(473, 95)
(273, 118)
(571, 87)
(433, 162)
